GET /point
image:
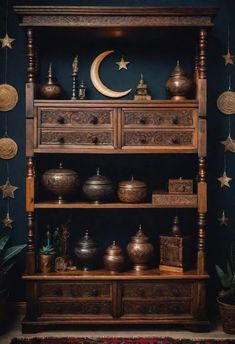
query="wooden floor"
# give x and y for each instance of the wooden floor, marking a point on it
(14, 330)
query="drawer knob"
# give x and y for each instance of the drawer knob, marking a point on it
(175, 309)
(95, 139)
(175, 292)
(74, 291)
(159, 120)
(143, 140)
(94, 120)
(95, 310)
(141, 292)
(94, 292)
(58, 309)
(61, 140)
(60, 120)
(58, 292)
(175, 120)
(175, 140)
(142, 120)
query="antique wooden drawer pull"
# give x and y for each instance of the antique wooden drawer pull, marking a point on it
(143, 140)
(58, 309)
(142, 309)
(95, 310)
(175, 309)
(142, 120)
(94, 120)
(175, 120)
(94, 292)
(74, 291)
(95, 139)
(58, 292)
(61, 140)
(141, 292)
(175, 292)
(175, 140)
(61, 120)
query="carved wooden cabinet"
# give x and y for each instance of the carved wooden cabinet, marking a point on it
(115, 128)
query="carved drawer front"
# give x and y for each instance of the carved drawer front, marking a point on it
(75, 117)
(76, 290)
(158, 138)
(158, 117)
(145, 290)
(157, 308)
(75, 308)
(82, 137)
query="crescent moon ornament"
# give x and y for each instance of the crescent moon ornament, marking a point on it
(98, 84)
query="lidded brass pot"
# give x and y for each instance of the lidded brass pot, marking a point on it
(113, 259)
(51, 89)
(98, 188)
(60, 181)
(131, 191)
(140, 250)
(178, 85)
(86, 251)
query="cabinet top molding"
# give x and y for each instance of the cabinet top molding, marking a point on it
(114, 17)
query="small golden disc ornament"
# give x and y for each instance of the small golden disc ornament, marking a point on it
(226, 102)
(8, 97)
(8, 148)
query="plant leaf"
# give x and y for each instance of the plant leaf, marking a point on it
(11, 252)
(225, 281)
(3, 240)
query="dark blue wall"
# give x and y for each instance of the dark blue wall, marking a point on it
(218, 237)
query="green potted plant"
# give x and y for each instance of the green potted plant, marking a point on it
(7, 260)
(226, 299)
(46, 258)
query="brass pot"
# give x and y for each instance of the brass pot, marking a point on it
(51, 90)
(140, 250)
(61, 182)
(86, 251)
(46, 262)
(113, 259)
(178, 85)
(131, 191)
(98, 188)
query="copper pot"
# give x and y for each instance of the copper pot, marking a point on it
(140, 250)
(131, 191)
(178, 85)
(86, 251)
(46, 262)
(50, 90)
(60, 181)
(113, 259)
(98, 188)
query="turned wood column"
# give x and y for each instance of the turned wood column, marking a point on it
(201, 73)
(31, 56)
(30, 252)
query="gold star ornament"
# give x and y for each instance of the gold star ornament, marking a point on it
(223, 220)
(229, 144)
(122, 64)
(224, 180)
(228, 58)
(8, 190)
(6, 41)
(7, 222)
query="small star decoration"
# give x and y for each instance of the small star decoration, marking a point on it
(8, 189)
(122, 64)
(228, 58)
(6, 41)
(224, 180)
(223, 220)
(7, 222)
(229, 144)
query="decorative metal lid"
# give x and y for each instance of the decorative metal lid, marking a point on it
(98, 179)
(177, 70)
(139, 237)
(132, 184)
(114, 249)
(60, 170)
(86, 241)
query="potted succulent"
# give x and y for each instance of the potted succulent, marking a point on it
(226, 299)
(7, 260)
(46, 258)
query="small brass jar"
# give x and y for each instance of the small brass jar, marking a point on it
(131, 191)
(113, 259)
(140, 250)
(179, 85)
(50, 89)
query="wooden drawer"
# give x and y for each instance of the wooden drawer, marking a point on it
(75, 290)
(145, 290)
(158, 117)
(80, 308)
(65, 117)
(91, 138)
(159, 138)
(156, 308)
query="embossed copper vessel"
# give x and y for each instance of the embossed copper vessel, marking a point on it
(60, 181)
(114, 259)
(131, 191)
(140, 250)
(86, 251)
(179, 85)
(98, 188)
(51, 90)
(46, 262)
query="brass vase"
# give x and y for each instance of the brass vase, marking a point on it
(46, 262)
(87, 251)
(179, 85)
(113, 259)
(50, 89)
(140, 250)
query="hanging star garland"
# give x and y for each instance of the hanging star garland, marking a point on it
(229, 144)
(122, 64)
(8, 189)
(228, 58)
(224, 180)
(6, 41)
(7, 221)
(223, 220)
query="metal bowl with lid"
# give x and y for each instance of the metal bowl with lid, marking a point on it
(98, 188)
(131, 191)
(86, 251)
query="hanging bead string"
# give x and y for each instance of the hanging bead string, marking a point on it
(228, 38)
(225, 162)
(6, 65)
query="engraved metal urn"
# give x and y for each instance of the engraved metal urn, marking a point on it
(87, 252)
(140, 250)
(114, 259)
(98, 188)
(50, 89)
(179, 85)
(131, 191)
(61, 182)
